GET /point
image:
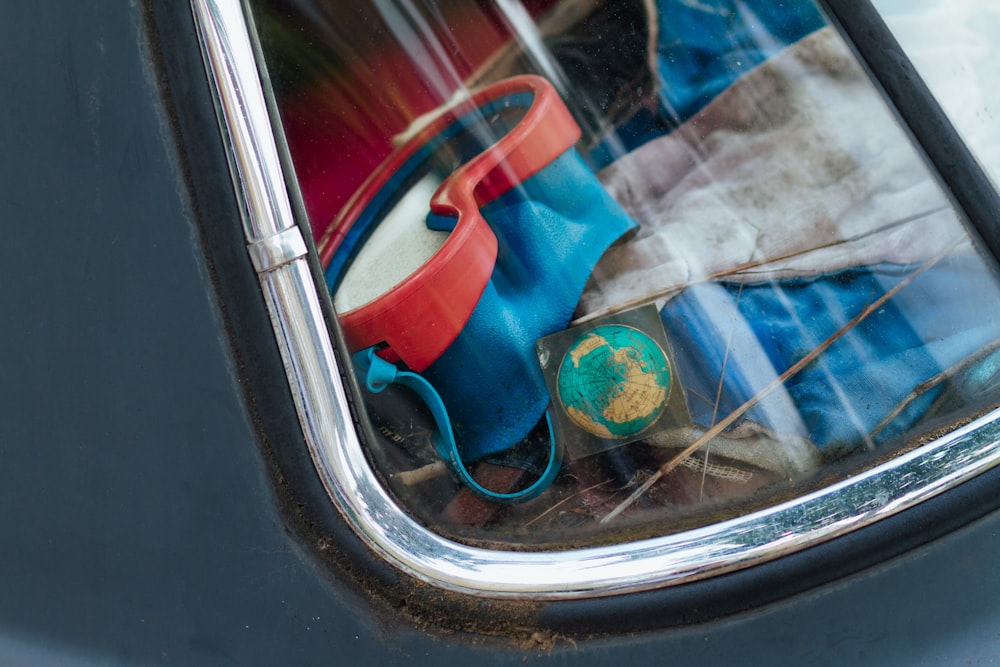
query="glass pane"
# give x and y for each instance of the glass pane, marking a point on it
(617, 269)
(955, 47)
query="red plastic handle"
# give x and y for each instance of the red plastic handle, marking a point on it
(423, 314)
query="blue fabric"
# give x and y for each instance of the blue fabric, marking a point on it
(704, 46)
(551, 232)
(929, 325)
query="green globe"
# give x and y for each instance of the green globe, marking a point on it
(614, 381)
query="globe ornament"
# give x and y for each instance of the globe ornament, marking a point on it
(612, 381)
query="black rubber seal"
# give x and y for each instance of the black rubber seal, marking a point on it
(918, 109)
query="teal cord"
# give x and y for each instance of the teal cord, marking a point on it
(379, 373)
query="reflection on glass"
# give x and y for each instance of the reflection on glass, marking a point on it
(614, 269)
(954, 46)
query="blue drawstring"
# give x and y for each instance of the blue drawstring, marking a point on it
(379, 373)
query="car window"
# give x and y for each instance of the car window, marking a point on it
(608, 272)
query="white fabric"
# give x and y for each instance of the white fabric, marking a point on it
(801, 154)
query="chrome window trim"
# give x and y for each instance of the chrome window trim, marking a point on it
(277, 249)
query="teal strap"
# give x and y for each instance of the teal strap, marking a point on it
(379, 373)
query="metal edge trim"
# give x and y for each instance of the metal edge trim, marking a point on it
(276, 251)
(336, 451)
